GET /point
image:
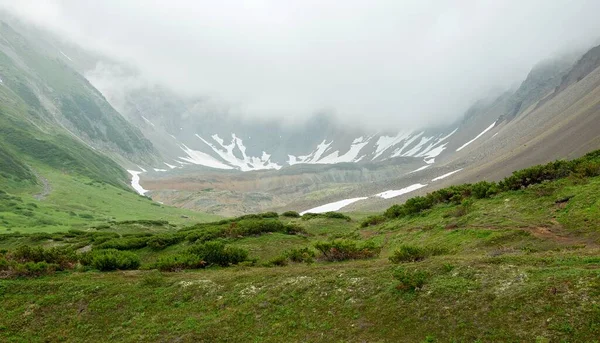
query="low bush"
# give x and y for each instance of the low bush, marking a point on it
(62, 258)
(411, 253)
(128, 243)
(161, 241)
(291, 214)
(294, 229)
(372, 220)
(484, 189)
(203, 235)
(218, 253)
(279, 261)
(410, 280)
(39, 236)
(171, 263)
(341, 250)
(301, 255)
(330, 215)
(111, 259)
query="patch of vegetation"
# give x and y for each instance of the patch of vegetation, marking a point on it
(329, 215)
(411, 253)
(586, 166)
(111, 259)
(291, 214)
(342, 250)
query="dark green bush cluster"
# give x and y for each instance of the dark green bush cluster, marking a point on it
(218, 253)
(253, 227)
(36, 261)
(300, 255)
(63, 258)
(203, 235)
(586, 166)
(410, 280)
(147, 222)
(330, 215)
(411, 253)
(110, 259)
(172, 263)
(341, 250)
(291, 214)
(126, 243)
(372, 220)
(161, 241)
(240, 228)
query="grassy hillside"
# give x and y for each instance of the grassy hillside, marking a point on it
(513, 265)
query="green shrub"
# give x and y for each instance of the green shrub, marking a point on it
(294, 229)
(39, 236)
(291, 214)
(330, 215)
(253, 227)
(33, 269)
(218, 253)
(410, 280)
(341, 250)
(279, 261)
(131, 243)
(171, 263)
(111, 259)
(204, 235)
(3, 263)
(411, 253)
(484, 189)
(300, 255)
(161, 241)
(372, 220)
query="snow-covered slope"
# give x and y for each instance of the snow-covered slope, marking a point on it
(231, 152)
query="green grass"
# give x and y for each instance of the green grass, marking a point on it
(76, 202)
(517, 266)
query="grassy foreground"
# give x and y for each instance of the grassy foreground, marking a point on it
(517, 266)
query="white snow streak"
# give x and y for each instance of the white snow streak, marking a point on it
(334, 206)
(422, 168)
(135, 182)
(246, 163)
(446, 175)
(147, 121)
(479, 135)
(69, 58)
(198, 157)
(397, 192)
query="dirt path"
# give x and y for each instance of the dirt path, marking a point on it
(558, 234)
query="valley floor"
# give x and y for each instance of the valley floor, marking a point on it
(521, 266)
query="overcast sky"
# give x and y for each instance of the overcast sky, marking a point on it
(380, 63)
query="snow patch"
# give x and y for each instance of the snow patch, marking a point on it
(69, 58)
(334, 206)
(446, 175)
(198, 157)
(148, 121)
(246, 163)
(479, 135)
(135, 182)
(422, 168)
(398, 192)
(172, 166)
(159, 170)
(350, 156)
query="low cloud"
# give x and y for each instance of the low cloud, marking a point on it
(385, 64)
